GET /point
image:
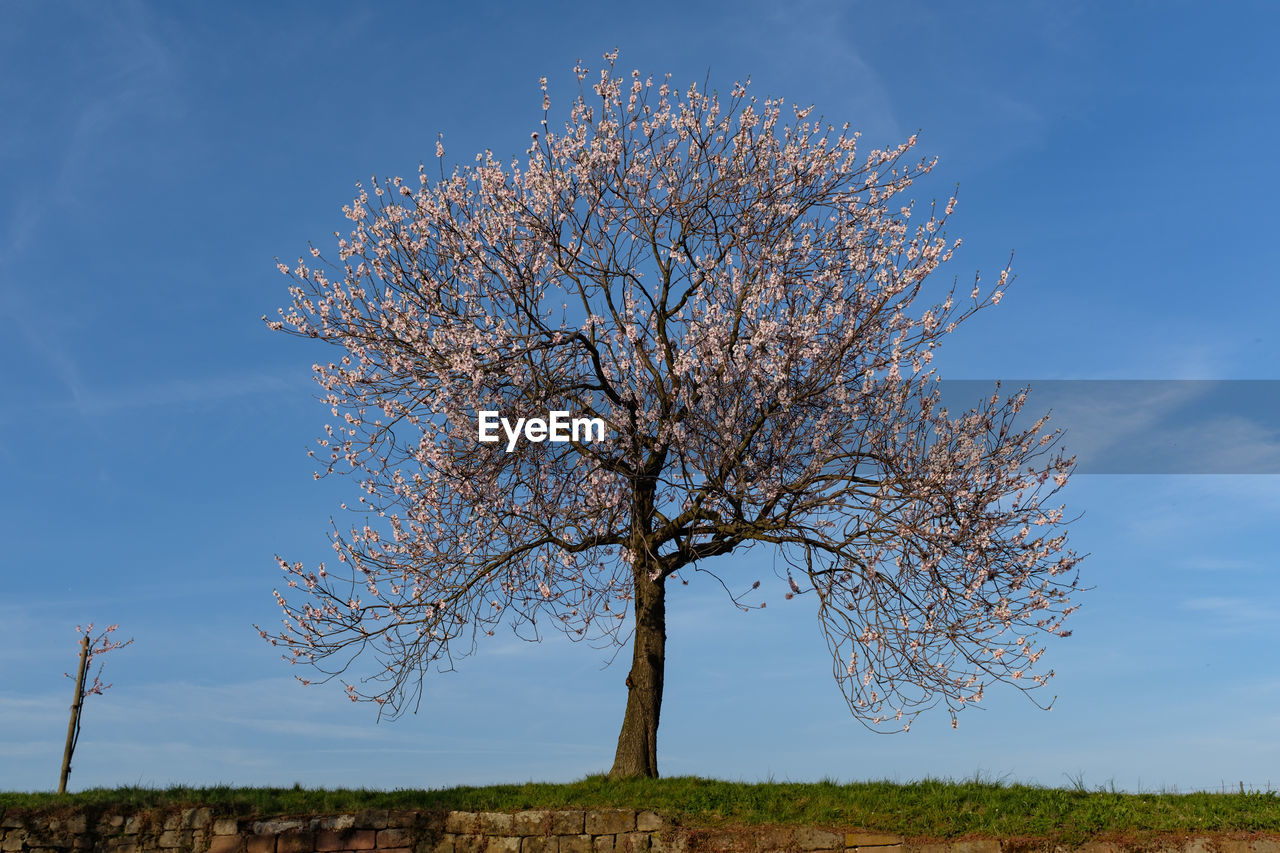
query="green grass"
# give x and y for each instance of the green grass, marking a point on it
(930, 808)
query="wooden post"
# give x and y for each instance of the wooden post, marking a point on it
(73, 728)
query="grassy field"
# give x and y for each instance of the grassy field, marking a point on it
(931, 808)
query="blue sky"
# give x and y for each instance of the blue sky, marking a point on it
(155, 158)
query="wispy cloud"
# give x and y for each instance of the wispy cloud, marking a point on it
(854, 88)
(1234, 613)
(1151, 426)
(1096, 424)
(129, 73)
(91, 402)
(262, 729)
(1212, 563)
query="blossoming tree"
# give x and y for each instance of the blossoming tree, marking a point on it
(90, 647)
(740, 297)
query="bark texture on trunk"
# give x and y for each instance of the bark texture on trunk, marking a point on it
(638, 741)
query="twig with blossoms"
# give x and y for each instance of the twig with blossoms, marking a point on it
(90, 647)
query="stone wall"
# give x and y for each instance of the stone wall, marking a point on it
(201, 830)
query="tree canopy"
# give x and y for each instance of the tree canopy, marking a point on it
(740, 296)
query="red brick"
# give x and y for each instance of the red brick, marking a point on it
(260, 844)
(296, 842)
(329, 839)
(398, 818)
(394, 838)
(360, 839)
(346, 839)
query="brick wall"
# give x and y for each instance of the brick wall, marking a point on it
(200, 830)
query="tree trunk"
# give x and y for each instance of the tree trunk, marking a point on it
(73, 728)
(638, 741)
